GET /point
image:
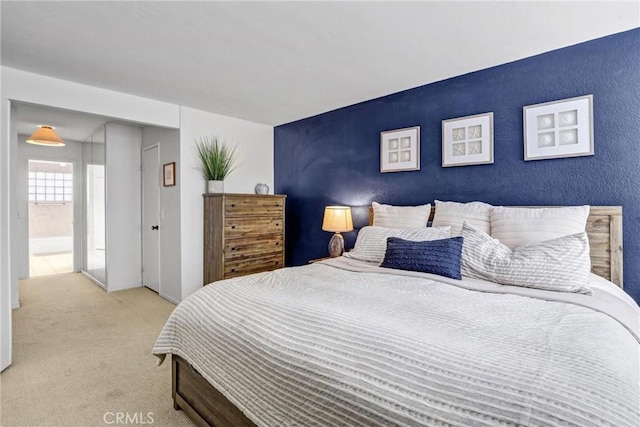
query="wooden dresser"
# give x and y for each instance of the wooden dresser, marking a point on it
(243, 234)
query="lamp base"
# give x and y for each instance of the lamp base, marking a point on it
(336, 245)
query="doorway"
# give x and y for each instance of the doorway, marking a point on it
(50, 190)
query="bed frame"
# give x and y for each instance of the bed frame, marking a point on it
(206, 406)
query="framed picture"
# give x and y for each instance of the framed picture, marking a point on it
(467, 140)
(559, 129)
(169, 174)
(400, 150)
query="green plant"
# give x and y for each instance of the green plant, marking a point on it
(218, 159)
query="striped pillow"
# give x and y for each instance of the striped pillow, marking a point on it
(454, 214)
(371, 242)
(441, 257)
(400, 216)
(519, 226)
(561, 264)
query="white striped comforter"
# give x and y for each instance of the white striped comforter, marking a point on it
(323, 346)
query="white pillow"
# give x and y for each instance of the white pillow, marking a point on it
(561, 264)
(400, 216)
(454, 214)
(519, 226)
(371, 243)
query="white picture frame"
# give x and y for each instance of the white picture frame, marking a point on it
(559, 129)
(467, 140)
(400, 150)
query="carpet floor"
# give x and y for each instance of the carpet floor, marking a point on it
(82, 357)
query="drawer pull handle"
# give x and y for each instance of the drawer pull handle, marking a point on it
(233, 270)
(277, 243)
(233, 248)
(233, 205)
(277, 224)
(233, 227)
(277, 262)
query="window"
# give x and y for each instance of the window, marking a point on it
(50, 187)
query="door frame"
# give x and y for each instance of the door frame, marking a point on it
(76, 237)
(142, 211)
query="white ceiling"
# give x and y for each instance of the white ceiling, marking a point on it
(275, 62)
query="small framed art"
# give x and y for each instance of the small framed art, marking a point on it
(467, 140)
(169, 174)
(559, 129)
(400, 150)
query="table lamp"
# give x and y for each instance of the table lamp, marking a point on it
(337, 219)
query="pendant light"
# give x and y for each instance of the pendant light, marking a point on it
(45, 135)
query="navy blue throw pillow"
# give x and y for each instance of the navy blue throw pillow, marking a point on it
(441, 257)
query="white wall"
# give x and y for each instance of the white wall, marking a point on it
(38, 89)
(255, 152)
(123, 206)
(168, 141)
(72, 153)
(28, 87)
(7, 127)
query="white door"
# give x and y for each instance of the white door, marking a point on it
(151, 218)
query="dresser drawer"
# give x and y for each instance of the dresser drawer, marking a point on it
(248, 248)
(243, 234)
(236, 206)
(243, 266)
(236, 227)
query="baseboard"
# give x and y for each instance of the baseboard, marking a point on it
(90, 277)
(171, 300)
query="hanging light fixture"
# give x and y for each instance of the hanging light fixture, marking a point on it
(45, 135)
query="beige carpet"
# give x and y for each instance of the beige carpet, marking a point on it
(82, 356)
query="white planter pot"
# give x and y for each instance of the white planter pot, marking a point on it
(215, 186)
(262, 189)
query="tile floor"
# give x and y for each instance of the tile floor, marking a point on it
(44, 265)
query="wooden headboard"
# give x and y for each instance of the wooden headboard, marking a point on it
(604, 228)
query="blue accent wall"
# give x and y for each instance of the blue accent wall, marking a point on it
(334, 158)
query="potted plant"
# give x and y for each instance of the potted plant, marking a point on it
(218, 161)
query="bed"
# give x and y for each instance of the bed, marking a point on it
(345, 342)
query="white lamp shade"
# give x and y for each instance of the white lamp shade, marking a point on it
(45, 135)
(337, 219)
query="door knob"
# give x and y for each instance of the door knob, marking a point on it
(154, 227)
